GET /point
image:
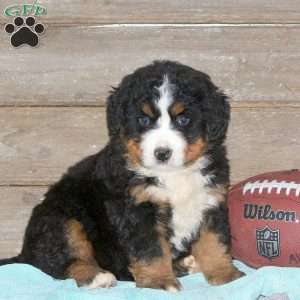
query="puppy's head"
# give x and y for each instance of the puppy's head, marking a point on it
(168, 115)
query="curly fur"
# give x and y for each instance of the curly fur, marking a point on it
(97, 191)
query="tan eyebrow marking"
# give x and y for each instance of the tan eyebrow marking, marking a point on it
(147, 110)
(177, 109)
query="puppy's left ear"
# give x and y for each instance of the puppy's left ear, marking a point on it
(217, 116)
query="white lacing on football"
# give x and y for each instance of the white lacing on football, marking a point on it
(270, 186)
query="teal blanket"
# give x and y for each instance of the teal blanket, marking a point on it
(23, 282)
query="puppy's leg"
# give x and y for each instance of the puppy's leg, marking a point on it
(186, 265)
(156, 272)
(84, 268)
(211, 251)
(144, 237)
(214, 259)
(89, 274)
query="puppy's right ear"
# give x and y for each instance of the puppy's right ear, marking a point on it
(113, 116)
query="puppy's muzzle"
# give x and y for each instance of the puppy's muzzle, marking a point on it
(162, 154)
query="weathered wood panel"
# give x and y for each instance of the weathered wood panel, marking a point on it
(262, 140)
(16, 205)
(38, 144)
(175, 11)
(78, 65)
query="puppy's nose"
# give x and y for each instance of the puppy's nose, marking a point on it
(162, 154)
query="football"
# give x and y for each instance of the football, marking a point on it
(264, 214)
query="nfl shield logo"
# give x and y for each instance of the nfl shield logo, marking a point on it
(267, 242)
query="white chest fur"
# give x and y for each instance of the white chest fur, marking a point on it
(189, 196)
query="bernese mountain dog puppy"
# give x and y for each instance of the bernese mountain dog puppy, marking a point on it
(151, 205)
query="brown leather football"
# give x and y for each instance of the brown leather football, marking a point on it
(264, 214)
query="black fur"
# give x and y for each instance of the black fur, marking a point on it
(216, 220)
(96, 190)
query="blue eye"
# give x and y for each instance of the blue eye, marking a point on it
(182, 120)
(144, 121)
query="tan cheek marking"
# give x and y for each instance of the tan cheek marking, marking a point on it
(147, 110)
(194, 151)
(134, 152)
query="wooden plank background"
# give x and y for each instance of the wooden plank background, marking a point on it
(78, 65)
(172, 11)
(16, 205)
(38, 144)
(52, 98)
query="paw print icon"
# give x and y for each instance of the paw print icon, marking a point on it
(24, 31)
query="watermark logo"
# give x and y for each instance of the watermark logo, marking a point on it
(24, 10)
(24, 30)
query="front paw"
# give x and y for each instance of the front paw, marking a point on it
(168, 284)
(185, 266)
(224, 277)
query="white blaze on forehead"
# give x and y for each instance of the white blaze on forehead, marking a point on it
(164, 102)
(163, 134)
